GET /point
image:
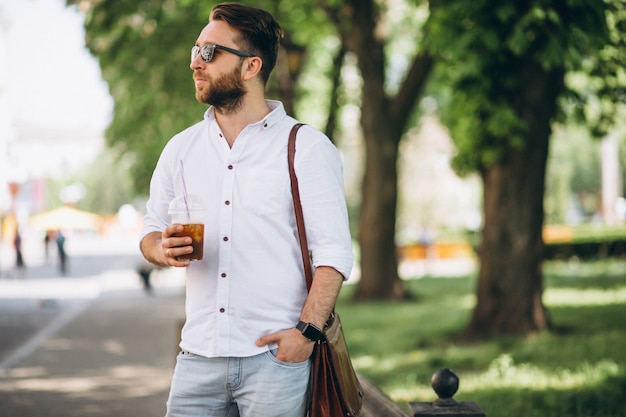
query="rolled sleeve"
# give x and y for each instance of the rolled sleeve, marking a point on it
(161, 193)
(320, 178)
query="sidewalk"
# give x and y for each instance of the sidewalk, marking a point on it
(109, 353)
(93, 343)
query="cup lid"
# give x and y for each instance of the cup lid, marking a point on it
(193, 203)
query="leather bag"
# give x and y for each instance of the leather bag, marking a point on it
(335, 390)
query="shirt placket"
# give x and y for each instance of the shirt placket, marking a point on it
(224, 285)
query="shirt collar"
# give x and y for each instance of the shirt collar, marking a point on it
(277, 113)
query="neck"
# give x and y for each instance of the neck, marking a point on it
(233, 121)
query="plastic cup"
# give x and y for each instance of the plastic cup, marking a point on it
(191, 217)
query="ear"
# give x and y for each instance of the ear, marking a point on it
(251, 68)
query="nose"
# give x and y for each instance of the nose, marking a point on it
(193, 64)
(196, 62)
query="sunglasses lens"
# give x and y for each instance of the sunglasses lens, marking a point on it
(194, 52)
(205, 52)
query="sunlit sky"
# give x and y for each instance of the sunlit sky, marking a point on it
(53, 81)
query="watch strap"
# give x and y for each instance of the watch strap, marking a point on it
(310, 331)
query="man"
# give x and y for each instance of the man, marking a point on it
(250, 325)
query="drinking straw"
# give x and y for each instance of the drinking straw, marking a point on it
(182, 176)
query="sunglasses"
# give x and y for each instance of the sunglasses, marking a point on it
(207, 50)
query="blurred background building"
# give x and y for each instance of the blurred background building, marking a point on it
(53, 104)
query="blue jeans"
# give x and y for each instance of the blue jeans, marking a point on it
(256, 386)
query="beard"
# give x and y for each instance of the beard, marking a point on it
(225, 93)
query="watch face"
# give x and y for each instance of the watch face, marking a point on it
(309, 331)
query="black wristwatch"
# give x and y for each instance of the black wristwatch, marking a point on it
(310, 331)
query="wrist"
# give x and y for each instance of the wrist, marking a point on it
(309, 330)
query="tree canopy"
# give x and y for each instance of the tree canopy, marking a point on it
(483, 45)
(511, 66)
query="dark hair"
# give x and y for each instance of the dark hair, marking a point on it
(260, 32)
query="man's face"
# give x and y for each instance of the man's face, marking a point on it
(219, 82)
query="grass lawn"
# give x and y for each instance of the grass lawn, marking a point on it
(577, 370)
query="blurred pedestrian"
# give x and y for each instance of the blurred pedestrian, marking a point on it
(145, 271)
(60, 239)
(19, 257)
(47, 239)
(427, 240)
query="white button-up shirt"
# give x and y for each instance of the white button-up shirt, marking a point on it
(251, 281)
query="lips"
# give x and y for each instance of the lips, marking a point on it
(198, 79)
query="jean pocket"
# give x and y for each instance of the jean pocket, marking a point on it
(272, 355)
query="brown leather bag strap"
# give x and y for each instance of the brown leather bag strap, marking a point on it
(295, 193)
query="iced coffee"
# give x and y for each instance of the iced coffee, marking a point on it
(196, 232)
(189, 212)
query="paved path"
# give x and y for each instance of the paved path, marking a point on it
(90, 344)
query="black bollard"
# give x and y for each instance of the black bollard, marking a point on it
(445, 383)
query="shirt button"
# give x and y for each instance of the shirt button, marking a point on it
(227, 202)
(222, 310)
(223, 275)
(225, 238)
(230, 167)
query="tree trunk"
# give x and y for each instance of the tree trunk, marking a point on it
(510, 281)
(333, 103)
(379, 267)
(510, 278)
(377, 222)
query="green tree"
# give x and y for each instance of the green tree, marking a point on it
(386, 112)
(510, 65)
(108, 183)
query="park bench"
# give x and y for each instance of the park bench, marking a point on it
(376, 403)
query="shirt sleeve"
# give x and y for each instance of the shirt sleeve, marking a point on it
(319, 170)
(157, 218)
